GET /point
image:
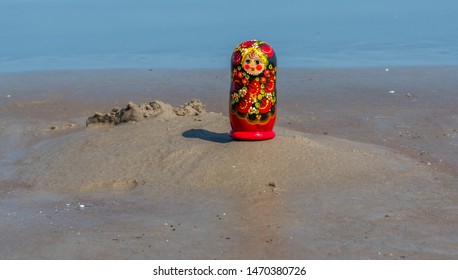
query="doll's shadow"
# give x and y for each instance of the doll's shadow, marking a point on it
(207, 135)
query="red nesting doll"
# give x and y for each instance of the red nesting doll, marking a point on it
(253, 96)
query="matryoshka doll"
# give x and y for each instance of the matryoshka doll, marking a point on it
(253, 95)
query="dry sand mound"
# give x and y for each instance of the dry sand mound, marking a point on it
(296, 196)
(174, 148)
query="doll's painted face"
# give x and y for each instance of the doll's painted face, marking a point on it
(253, 64)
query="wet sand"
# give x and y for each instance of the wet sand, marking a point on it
(364, 167)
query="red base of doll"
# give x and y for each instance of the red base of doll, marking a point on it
(252, 136)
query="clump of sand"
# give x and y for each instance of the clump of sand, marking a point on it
(134, 112)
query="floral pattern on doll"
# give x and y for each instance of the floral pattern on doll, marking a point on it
(253, 81)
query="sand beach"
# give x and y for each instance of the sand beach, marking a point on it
(364, 166)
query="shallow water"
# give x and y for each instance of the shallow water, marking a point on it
(75, 34)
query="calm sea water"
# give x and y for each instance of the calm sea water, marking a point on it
(80, 34)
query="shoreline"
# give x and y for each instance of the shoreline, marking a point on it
(224, 68)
